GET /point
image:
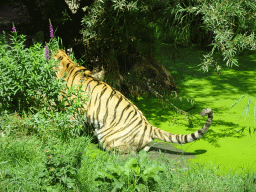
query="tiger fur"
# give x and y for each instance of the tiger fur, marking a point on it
(116, 122)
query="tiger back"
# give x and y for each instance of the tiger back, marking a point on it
(118, 123)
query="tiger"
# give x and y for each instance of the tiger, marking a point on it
(116, 122)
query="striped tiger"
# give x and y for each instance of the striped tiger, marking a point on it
(117, 123)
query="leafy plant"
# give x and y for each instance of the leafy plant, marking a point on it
(67, 123)
(28, 82)
(61, 166)
(246, 110)
(135, 174)
(26, 76)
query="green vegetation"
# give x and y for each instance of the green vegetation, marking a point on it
(133, 175)
(46, 151)
(230, 141)
(44, 146)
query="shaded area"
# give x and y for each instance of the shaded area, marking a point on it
(11, 12)
(178, 156)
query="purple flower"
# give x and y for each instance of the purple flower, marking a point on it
(51, 30)
(13, 29)
(46, 52)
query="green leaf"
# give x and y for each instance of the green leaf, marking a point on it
(136, 169)
(153, 169)
(118, 185)
(131, 163)
(115, 168)
(143, 159)
(153, 176)
(104, 174)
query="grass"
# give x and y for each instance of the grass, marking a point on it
(29, 163)
(43, 150)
